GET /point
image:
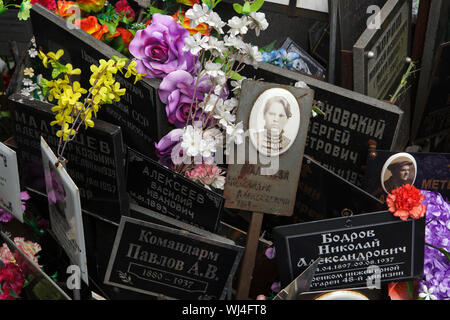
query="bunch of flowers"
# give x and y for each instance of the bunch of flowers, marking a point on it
(195, 69)
(280, 58)
(29, 248)
(11, 281)
(24, 8)
(5, 216)
(405, 202)
(73, 108)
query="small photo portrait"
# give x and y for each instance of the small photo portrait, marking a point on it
(274, 122)
(400, 169)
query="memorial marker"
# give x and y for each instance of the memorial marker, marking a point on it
(160, 189)
(96, 157)
(154, 260)
(65, 209)
(9, 183)
(352, 250)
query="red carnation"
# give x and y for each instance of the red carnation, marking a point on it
(405, 202)
(10, 278)
(123, 6)
(49, 4)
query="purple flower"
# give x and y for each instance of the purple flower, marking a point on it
(165, 147)
(6, 217)
(158, 49)
(276, 287)
(437, 233)
(270, 253)
(177, 92)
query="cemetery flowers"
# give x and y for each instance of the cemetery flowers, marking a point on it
(5, 216)
(405, 202)
(73, 108)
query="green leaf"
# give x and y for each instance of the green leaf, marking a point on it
(55, 276)
(112, 26)
(13, 294)
(4, 114)
(57, 68)
(255, 6)
(235, 76)
(207, 2)
(270, 47)
(246, 9)
(1, 291)
(1, 266)
(444, 252)
(3, 10)
(154, 10)
(215, 3)
(237, 7)
(410, 286)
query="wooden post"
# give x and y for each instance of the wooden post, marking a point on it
(248, 261)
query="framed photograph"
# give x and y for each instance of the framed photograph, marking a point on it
(274, 121)
(399, 170)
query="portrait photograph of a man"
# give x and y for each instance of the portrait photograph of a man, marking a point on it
(274, 122)
(399, 170)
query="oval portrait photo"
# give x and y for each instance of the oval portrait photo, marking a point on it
(400, 169)
(274, 122)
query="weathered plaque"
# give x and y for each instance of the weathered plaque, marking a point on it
(160, 189)
(352, 250)
(157, 260)
(319, 41)
(340, 139)
(13, 29)
(65, 209)
(263, 172)
(436, 116)
(305, 63)
(379, 55)
(41, 286)
(323, 194)
(96, 157)
(9, 183)
(354, 17)
(389, 170)
(137, 112)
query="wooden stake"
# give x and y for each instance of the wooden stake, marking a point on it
(248, 261)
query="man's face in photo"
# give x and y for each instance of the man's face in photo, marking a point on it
(275, 117)
(404, 172)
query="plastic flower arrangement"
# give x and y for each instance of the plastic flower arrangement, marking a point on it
(76, 105)
(24, 8)
(195, 69)
(7, 217)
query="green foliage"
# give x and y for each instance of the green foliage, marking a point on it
(247, 8)
(255, 6)
(443, 251)
(13, 294)
(269, 48)
(58, 68)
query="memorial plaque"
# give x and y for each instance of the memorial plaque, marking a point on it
(305, 63)
(65, 209)
(354, 18)
(13, 29)
(9, 183)
(379, 55)
(436, 116)
(160, 189)
(154, 260)
(138, 111)
(96, 157)
(319, 41)
(263, 171)
(352, 250)
(427, 171)
(323, 194)
(437, 30)
(340, 139)
(41, 287)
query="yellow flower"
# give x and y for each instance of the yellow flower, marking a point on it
(131, 69)
(65, 131)
(121, 63)
(71, 70)
(139, 77)
(77, 88)
(28, 72)
(118, 91)
(87, 119)
(44, 58)
(57, 55)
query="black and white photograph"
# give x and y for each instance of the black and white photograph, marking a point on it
(274, 122)
(399, 170)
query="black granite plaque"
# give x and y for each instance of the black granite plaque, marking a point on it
(154, 259)
(305, 63)
(353, 19)
(160, 189)
(13, 29)
(427, 171)
(348, 246)
(319, 41)
(96, 157)
(138, 111)
(340, 139)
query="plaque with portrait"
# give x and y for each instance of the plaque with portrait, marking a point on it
(264, 170)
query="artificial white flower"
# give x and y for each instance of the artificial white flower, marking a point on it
(237, 84)
(222, 113)
(210, 142)
(238, 25)
(213, 69)
(32, 52)
(28, 72)
(301, 84)
(258, 22)
(427, 294)
(215, 46)
(195, 43)
(198, 14)
(216, 22)
(235, 133)
(230, 104)
(219, 182)
(26, 92)
(33, 41)
(234, 42)
(27, 82)
(211, 101)
(253, 56)
(192, 140)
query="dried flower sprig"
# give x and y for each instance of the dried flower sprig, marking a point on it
(73, 107)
